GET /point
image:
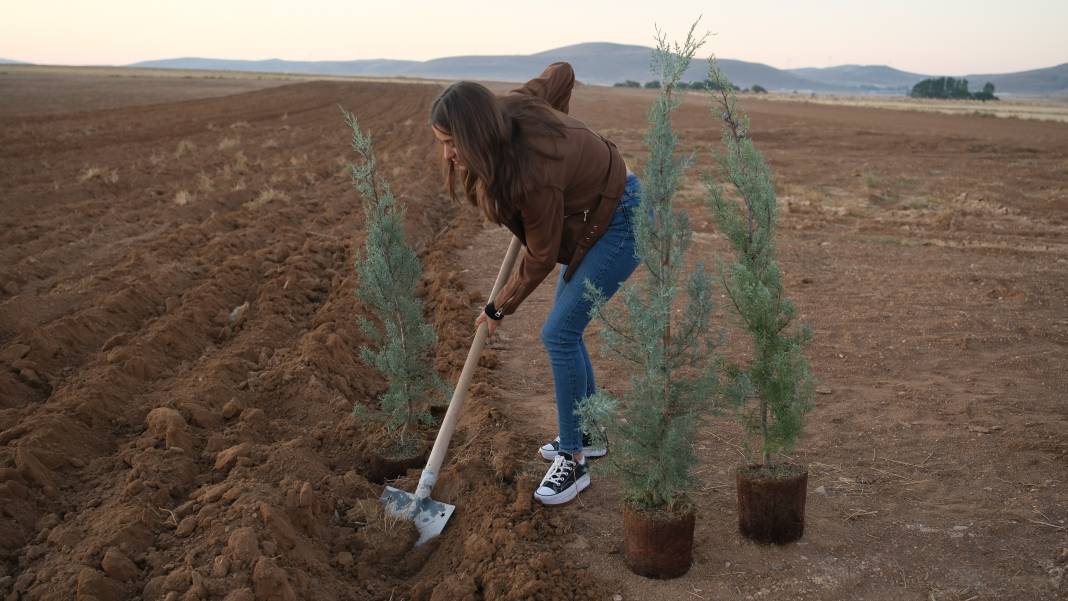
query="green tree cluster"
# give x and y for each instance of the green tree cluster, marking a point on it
(778, 373)
(706, 84)
(389, 273)
(987, 93)
(674, 379)
(950, 87)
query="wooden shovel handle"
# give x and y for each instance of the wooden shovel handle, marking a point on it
(452, 415)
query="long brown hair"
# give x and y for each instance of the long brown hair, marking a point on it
(493, 138)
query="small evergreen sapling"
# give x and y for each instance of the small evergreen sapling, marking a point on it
(389, 272)
(674, 376)
(778, 373)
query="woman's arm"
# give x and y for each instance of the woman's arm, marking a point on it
(554, 86)
(543, 224)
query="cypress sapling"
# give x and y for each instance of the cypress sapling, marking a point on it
(652, 426)
(778, 374)
(389, 272)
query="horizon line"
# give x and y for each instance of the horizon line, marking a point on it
(349, 60)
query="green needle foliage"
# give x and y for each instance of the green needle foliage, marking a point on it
(389, 272)
(778, 373)
(653, 425)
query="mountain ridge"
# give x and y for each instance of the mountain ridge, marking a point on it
(606, 63)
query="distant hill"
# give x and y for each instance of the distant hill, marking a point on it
(1048, 81)
(275, 65)
(7, 61)
(606, 63)
(880, 78)
(875, 78)
(595, 63)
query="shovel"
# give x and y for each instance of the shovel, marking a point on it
(430, 516)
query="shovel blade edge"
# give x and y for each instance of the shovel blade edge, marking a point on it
(429, 516)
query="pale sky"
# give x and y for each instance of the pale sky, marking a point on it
(939, 37)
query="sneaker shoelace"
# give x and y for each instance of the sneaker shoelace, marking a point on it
(559, 470)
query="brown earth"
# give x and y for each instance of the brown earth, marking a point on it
(33, 90)
(177, 338)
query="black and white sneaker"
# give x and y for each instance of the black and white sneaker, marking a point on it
(564, 480)
(551, 449)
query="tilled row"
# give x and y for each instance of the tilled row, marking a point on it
(195, 438)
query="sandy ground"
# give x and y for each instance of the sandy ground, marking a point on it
(38, 90)
(154, 447)
(929, 254)
(1017, 107)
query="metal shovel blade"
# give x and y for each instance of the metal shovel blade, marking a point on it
(430, 516)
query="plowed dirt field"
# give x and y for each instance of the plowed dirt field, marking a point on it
(178, 357)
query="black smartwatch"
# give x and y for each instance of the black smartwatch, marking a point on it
(494, 313)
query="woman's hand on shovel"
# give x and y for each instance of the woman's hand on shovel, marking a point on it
(491, 323)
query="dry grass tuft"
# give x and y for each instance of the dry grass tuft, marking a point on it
(240, 125)
(266, 197)
(371, 514)
(344, 168)
(204, 183)
(184, 147)
(90, 173)
(228, 143)
(240, 164)
(183, 197)
(270, 143)
(99, 173)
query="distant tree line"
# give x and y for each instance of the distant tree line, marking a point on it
(706, 84)
(951, 87)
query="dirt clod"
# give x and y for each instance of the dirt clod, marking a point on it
(279, 525)
(220, 567)
(227, 459)
(95, 586)
(241, 594)
(271, 582)
(186, 526)
(243, 545)
(166, 425)
(118, 566)
(232, 409)
(201, 416)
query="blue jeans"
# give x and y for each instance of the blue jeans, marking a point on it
(607, 264)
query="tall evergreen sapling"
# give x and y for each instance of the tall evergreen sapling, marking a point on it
(389, 272)
(674, 378)
(778, 373)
